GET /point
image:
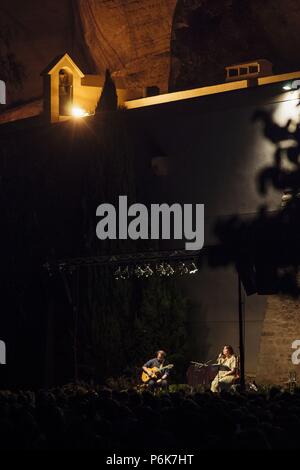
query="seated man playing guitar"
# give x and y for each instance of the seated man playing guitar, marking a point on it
(155, 374)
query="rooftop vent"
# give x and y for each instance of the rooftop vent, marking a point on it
(248, 70)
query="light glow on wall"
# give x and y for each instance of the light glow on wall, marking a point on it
(287, 109)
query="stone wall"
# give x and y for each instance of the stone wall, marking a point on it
(280, 328)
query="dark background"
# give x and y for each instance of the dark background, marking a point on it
(53, 178)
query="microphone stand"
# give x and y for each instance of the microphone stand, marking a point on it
(220, 357)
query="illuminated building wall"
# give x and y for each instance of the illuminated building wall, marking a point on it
(215, 152)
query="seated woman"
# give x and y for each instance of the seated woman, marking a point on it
(225, 378)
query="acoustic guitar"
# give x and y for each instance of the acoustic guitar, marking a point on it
(155, 373)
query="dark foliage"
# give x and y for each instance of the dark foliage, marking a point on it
(267, 246)
(12, 70)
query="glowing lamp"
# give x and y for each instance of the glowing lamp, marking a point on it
(287, 87)
(78, 112)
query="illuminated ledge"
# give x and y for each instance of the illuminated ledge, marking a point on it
(186, 94)
(208, 90)
(278, 78)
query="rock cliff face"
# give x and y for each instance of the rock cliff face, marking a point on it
(182, 43)
(210, 34)
(130, 38)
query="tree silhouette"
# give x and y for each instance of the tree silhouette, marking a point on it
(268, 244)
(108, 100)
(11, 70)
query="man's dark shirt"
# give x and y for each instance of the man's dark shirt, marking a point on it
(155, 363)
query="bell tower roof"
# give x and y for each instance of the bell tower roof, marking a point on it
(63, 60)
